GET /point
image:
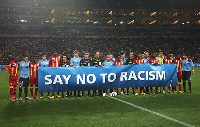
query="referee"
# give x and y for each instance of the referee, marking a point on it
(187, 64)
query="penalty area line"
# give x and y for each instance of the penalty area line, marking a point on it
(155, 113)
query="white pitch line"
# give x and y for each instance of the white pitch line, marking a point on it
(155, 113)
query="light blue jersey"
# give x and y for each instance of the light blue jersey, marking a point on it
(75, 61)
(44, 63)
(146, 60)
(124, 60)
(186, 65)
(105, 63)
(24, 69)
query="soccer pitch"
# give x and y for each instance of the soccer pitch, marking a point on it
(143, 110)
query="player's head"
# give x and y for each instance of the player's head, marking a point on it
(101, 54)
(123, 55)
(168, 56)
(146, 54)
(35, 59)
(86, 55)
(55, 53)
(131, 55)
(160, 53)
(153, 55)
(25, 58)
(44, 57)
(185, 56)
(111, 57)
(139, 56)
(76, 52)
(97, 54)
(64, 58)
(118, 57)
(178, 56)
(108, 58)
(142, 55)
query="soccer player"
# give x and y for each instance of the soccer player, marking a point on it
(128, 62)
(187, 64)
(178, 63)
(139, 60)
(13, 79)
(43, 63)
(153, 60)
(75, 62)
(108, 62)
(24, 77)
(119, 62)
(84, 63)
(54, 61)
(34, 76)
(168, 60)
(97, 61)
(146, 58)
(123, 57)
(161, 58)
(64, 63)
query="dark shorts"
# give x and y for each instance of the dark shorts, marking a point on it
(186, 75)
(24, 82)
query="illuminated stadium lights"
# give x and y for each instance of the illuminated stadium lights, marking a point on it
(52, 20)
(153, 14)
(175, 22)
(131, 22)
(22, 20)
(52, 11)
(175, 14)
(110, 13)
(152, 22)
(109, 22)
(131, 14)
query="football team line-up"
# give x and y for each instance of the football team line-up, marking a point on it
(28, 72)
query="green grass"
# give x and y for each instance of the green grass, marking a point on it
(101, 111)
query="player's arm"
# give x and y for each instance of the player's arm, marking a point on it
(81, 63)
(192, 67)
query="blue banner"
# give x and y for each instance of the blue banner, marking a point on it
(56, 79)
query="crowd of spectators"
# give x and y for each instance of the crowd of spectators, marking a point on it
(11, 48)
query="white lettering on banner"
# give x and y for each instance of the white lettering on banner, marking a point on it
(139, 75)
(93, 78)
(79, 78)
(57, 80)
(132, 75)
(152, 75)
(104, 77)
(47, 79)
(161, 76)
(109, 77)
(67, 78)
(123, 76)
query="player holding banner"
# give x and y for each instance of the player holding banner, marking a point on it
(34, 76)
(168, 60)
(84, 63)
(54, 61)
(13, 79)
(119, 62)
(64, 63)
(178, 62)
(75, 62)
(43, 63)
(139, 60)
